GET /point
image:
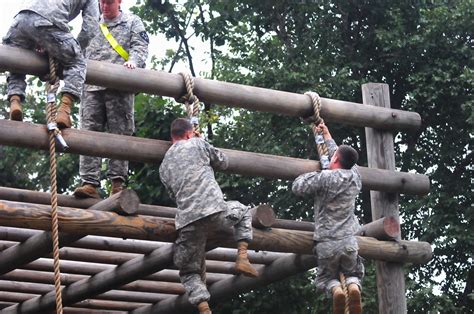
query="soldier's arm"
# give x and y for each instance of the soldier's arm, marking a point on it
(308, 184)
(218, 159)
(138, 43)
(90, 23)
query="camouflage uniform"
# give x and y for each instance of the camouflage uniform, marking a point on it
(187, 173)
(44, 23)
(334, 193)
(105, 108)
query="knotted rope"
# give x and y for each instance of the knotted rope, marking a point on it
(190, 100)
(51, 89)
(346, 292)
(315, 120)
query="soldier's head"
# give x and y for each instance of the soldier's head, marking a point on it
(345, 157)
(181, 129)
(110, 8)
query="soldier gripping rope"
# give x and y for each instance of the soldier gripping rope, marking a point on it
(187, 173)
(43, 24)
(121, 39)
(335, 191)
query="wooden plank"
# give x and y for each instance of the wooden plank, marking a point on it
(100, 144)
(253, 98)
(381, 154)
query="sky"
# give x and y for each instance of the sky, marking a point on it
(157, 48)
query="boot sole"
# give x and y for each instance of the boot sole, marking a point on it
(339, 304)
(80, 194)
(16, 116)
(355, 306)
(246, 273)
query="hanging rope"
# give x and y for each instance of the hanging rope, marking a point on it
(190, 100)
(315, 120)
(51, 89)
(346, 292)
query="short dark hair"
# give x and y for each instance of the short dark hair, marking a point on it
(348, 156)
(180, 126)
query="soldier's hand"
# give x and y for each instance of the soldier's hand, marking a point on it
(130, 65)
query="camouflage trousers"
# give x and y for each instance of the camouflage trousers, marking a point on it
(190, 246)
(106, 110)
(30, 30)
(334, 257)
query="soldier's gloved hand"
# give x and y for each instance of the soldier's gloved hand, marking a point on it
(130, 65)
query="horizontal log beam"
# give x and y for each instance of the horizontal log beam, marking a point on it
(229, 94)
(123, 147)
(78, 221)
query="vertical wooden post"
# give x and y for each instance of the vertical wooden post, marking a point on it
(381, 154)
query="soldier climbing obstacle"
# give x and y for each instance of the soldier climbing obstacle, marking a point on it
(187, 173)
(334, 191)
(44, 24)
(121, 39)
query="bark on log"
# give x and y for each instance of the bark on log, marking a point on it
(77, 221)
(229, 94)
(115, 146)
(126, 203)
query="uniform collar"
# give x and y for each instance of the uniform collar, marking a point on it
(117, 20)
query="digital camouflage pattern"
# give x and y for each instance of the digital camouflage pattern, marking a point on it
(334, 193)
(187, 173)
(105, 109)
(110, 110)
(43, 24)
(189, 255)
(129, 31)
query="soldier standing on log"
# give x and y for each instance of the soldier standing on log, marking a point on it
(43, 24)
(335, 191)
(187, 173)
(121, 39)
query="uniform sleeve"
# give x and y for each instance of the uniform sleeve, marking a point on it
(332, 147)
(138, 43)
(309, 184)
(90, 23)
(163, 179)
(219, 160)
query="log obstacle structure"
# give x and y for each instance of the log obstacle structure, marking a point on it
(117, 254)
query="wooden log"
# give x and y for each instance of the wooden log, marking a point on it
(78, 221)
(115, 146)
(234, 95)
(263, 216)
(101, 282)
(385, 228)
(81, 310)
(281, 268)
(381, 154)
(294, 225)
(125, 202)
(115, 295)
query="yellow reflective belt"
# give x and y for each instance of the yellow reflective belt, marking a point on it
(119, 49)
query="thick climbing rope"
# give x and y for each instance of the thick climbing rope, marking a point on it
(315, 120)
(190, 100)
(51, 89)
(323, 153)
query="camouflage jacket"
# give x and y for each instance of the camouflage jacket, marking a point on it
(129, 31)
(188, 175)
(61, 12)
(334, 192)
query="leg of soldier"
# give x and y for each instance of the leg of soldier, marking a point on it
(18, 36)
(92, 113)
(188, 257)
(352, 267)
(120, 120)
(328, 267)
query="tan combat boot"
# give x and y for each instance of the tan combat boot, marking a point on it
(338, 300)
(203, 308)
(15, 108)
(355, 306)
(242, 264)
(87, 190)
(63, 117)
(117, 186)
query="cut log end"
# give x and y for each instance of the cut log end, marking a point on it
(263, 216)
